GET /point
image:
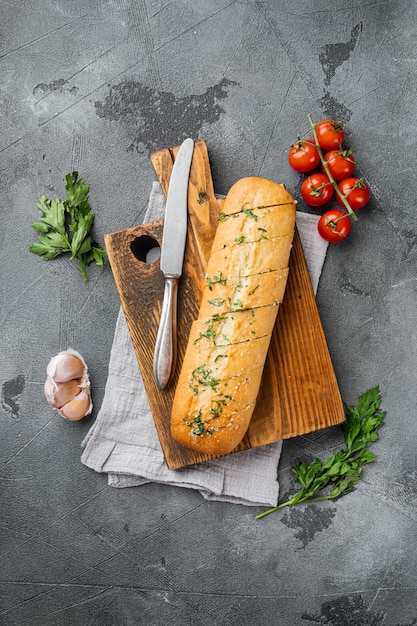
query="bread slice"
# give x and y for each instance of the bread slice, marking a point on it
(253, 192)
(242, 293)
(264, 228)
(244, 284)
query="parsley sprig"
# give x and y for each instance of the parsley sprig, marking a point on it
(342, 471)
(65, 226)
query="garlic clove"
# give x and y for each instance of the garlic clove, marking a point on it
(66, 365)
(60, 393)
(78, 407)
(67, 385)
(49, 389)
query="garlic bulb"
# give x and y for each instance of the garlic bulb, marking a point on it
(67, 385)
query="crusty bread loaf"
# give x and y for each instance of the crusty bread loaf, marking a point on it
(245, 282)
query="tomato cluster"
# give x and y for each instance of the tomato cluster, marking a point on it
(330, 168)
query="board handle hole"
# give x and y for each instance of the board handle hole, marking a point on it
(146, 249)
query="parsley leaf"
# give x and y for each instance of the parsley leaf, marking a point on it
(65, 226)
(343, 470)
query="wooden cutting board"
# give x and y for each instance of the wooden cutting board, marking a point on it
(299, 391)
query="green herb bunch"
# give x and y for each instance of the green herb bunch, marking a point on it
(65, 226)
(342, 471)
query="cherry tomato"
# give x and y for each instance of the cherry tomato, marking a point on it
(356, 191)
(340, 162)
(334, 225)
(303, 156)
(330, 134)
(317, 189)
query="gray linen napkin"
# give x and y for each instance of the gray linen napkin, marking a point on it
(123, 441)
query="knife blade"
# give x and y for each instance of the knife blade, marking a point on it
(172, 258)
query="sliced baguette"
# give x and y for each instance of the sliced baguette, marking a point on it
(245, 282)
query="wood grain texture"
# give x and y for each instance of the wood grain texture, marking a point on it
(299, 391)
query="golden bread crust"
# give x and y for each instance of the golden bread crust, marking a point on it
(252, 192)
(245, 282)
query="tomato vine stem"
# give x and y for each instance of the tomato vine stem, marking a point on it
(350, 211)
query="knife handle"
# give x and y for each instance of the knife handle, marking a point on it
(165, 354)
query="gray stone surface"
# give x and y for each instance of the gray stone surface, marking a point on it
(94, 85)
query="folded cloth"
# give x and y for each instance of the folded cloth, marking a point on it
(123, 441)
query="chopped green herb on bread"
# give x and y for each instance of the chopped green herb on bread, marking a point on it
(244, 284)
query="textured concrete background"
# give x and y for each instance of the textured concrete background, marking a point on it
(95, 85)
